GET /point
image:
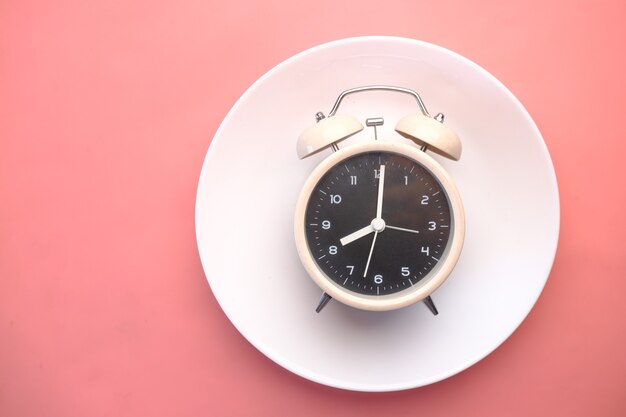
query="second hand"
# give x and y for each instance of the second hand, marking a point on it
(367, 265)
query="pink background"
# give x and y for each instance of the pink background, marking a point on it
(106, 111)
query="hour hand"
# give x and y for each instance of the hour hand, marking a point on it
(357, 235)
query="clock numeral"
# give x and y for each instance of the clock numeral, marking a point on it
(406, 180)
(377, 173)
(332, 250)
(352, 179)
(424, 200)
(405, 271)
(350, 269)
(426, 250)
(335, 199)
(432, 225)
(326, 224)
(378, 279)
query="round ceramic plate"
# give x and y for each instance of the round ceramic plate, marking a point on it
(251, 179)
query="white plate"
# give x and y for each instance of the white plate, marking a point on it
(251, 178)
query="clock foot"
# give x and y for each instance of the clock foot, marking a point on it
(323, 301)
(431, 305)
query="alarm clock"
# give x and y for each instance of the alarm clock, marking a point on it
(379, 224)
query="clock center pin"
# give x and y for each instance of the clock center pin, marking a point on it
(378, 225)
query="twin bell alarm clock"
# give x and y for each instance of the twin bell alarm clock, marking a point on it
(379, 224)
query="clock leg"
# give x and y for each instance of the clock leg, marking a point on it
(431, 305)
(323, 301)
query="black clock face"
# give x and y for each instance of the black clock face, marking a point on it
(377, 223)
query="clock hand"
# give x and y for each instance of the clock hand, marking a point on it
(401, 228)
(381, 187)
(377, 225)
(369, 258)
(357, 235)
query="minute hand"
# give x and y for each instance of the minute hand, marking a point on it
(381, 188)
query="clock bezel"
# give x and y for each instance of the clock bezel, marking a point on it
(427, 285)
